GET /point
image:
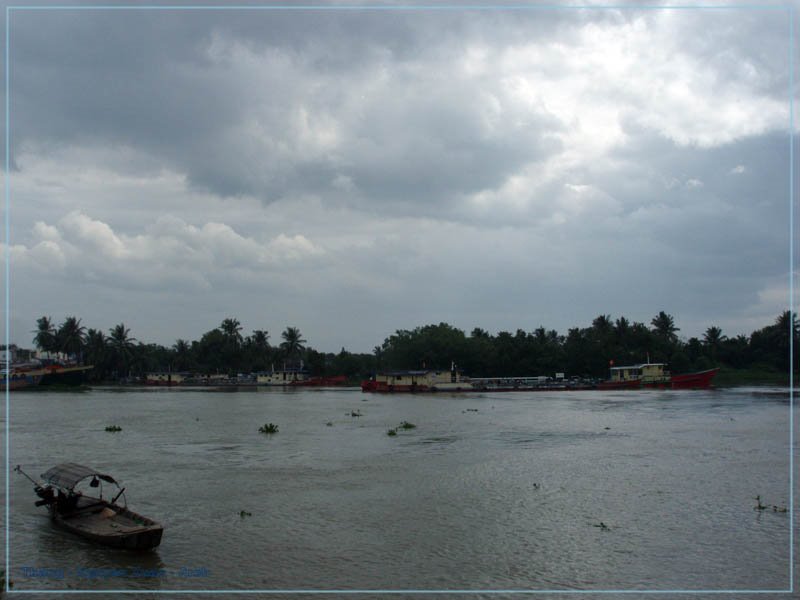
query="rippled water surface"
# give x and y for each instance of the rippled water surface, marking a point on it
(488, 492)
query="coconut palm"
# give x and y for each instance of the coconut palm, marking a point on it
(713, 336)
(260, 339)
(71, 336)
(121, 346)
(292, 343)
(664, 326)
(232, 329)
(45, 338)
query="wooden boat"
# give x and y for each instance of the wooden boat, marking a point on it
(102, 521)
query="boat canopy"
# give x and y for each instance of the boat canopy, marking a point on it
(68, 475)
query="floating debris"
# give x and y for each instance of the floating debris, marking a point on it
(113, 428)
(407, 425)
(268, 428)
(392, 432)
(355, 413)
(759, 506)
(601, 526)
(244, 514)
(780, 509)
(329, 424)
(536, 486)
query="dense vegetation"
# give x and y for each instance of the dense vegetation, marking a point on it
(582, 351)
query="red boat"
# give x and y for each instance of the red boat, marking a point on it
(653, 375)
(337, 380)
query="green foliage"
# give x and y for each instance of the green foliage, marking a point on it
(268, 428)
(407, 425)
(582, 352)
(392, 432)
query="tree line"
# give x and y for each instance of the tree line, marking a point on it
(586, 352)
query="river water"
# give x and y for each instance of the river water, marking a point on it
(488, 492)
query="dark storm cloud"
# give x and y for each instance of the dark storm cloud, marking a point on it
(581, 161)
(171, 85)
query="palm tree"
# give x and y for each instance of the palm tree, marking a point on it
(95, 346)
(260, 339)
(71, 336)
(713, 336)
(292, 343)
(712, 339)
(232, 330)
(96, 351)
(45, 338)
(664, 325)
(121, 346)
(182, 351)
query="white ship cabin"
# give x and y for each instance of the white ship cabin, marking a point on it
(284, 376)
(646, 372)
(424, 378)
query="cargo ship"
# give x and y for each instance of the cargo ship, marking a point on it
(647, 375)
(654, 375)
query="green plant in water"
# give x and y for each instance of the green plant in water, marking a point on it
(407, 425)
(268, 428)
(392, 432)
(244, 514)
(114, 428)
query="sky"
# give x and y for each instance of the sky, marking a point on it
(352, 172)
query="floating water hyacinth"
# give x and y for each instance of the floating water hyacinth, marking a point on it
(392, 432)
(268, 428)
(407, 425)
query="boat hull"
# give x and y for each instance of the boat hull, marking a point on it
(21, 380)
(687, 381)
(110, 525)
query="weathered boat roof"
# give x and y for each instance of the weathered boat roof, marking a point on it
(67, 475)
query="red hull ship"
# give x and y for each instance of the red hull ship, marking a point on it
(653, 375)
(634, 377)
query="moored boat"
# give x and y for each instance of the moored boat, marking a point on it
(633, 377)
(321, 381)
(17, 379)
(654, 375)
(102, 521)
(421, 380)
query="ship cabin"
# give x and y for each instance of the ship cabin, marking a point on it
(644, 373)
(422, 379)
(284, 376)
(166, 378)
